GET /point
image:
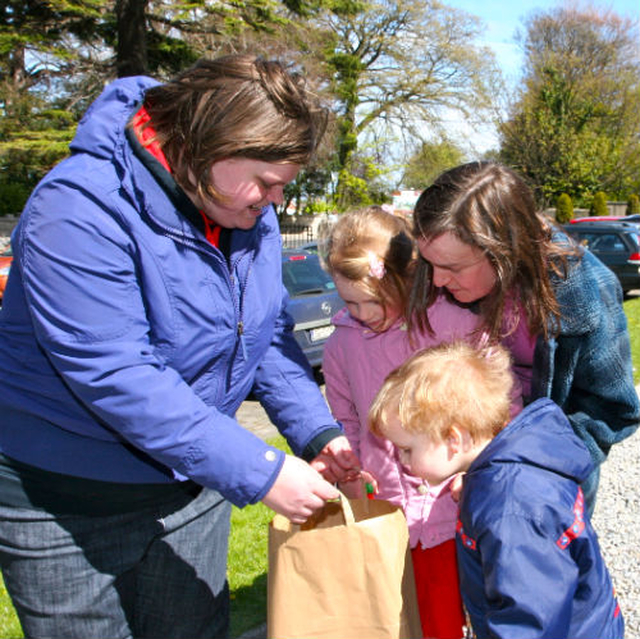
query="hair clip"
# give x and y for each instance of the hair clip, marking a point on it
(376, 266)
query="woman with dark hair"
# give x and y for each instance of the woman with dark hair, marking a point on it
(144, 304)
(556, 307)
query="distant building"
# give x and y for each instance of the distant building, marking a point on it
(404, 201)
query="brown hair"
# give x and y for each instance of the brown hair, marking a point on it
(490, 207)
(233, 106)
(444, 385)
(363, 235)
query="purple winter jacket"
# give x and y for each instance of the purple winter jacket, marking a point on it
(121, 354)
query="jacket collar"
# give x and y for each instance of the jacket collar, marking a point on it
(174, 192)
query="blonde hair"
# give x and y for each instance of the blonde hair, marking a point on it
(375, 249)
(449, 384)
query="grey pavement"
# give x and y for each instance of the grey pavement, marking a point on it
(254, 418)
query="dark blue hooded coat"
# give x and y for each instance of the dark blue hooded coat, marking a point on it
(529, 559)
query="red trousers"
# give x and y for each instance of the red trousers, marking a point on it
(438, 586)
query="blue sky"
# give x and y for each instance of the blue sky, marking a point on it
(501, 19)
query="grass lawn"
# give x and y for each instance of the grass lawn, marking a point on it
(9, 624)
(248, 541)
(632, 311)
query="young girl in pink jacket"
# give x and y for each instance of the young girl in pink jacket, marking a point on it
(371, 257)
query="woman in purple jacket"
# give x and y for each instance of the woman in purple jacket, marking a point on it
(144, 304)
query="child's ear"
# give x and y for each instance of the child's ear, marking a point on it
(455, 439)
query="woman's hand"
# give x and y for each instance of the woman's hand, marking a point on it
(298, 491)
(337, 462)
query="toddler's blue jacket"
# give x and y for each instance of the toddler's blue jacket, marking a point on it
(529, 560)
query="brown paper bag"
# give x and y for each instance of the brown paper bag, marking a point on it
(345, 574)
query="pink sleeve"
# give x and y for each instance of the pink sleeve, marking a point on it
(338, 391)
(450, 321)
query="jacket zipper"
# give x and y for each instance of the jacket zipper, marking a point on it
(238, 300)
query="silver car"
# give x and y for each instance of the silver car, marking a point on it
(313, 301)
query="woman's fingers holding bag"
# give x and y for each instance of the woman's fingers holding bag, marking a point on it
(298, 491)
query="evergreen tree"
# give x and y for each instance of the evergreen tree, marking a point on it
(575, 126)
(56, 56)
(599, 204)
(564, 209)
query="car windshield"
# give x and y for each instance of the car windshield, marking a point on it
(302, 274)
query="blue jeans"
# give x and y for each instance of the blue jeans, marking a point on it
(158, 572)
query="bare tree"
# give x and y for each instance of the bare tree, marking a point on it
(401, 66)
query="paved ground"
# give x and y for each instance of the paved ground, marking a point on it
(252, 416)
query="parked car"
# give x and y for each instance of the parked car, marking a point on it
(6, 257)
(616, 244)
(635, 218)
(313, 301)
(312, 247)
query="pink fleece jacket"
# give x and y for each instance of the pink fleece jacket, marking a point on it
(356, 362)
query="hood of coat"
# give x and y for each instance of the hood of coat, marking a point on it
(102, 134)
(102, 126)
(541, 437)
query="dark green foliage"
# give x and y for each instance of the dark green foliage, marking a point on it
(312, 184)
(13, 197)
(27, 153)
(633, 204)
(564, 208)
(599, 204)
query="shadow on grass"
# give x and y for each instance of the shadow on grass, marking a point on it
(249, 606)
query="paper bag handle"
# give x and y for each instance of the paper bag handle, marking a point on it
(347, 511)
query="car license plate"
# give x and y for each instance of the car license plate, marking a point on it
(316, 334)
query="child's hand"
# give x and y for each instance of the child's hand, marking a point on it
(337, 462)
(356, 488)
